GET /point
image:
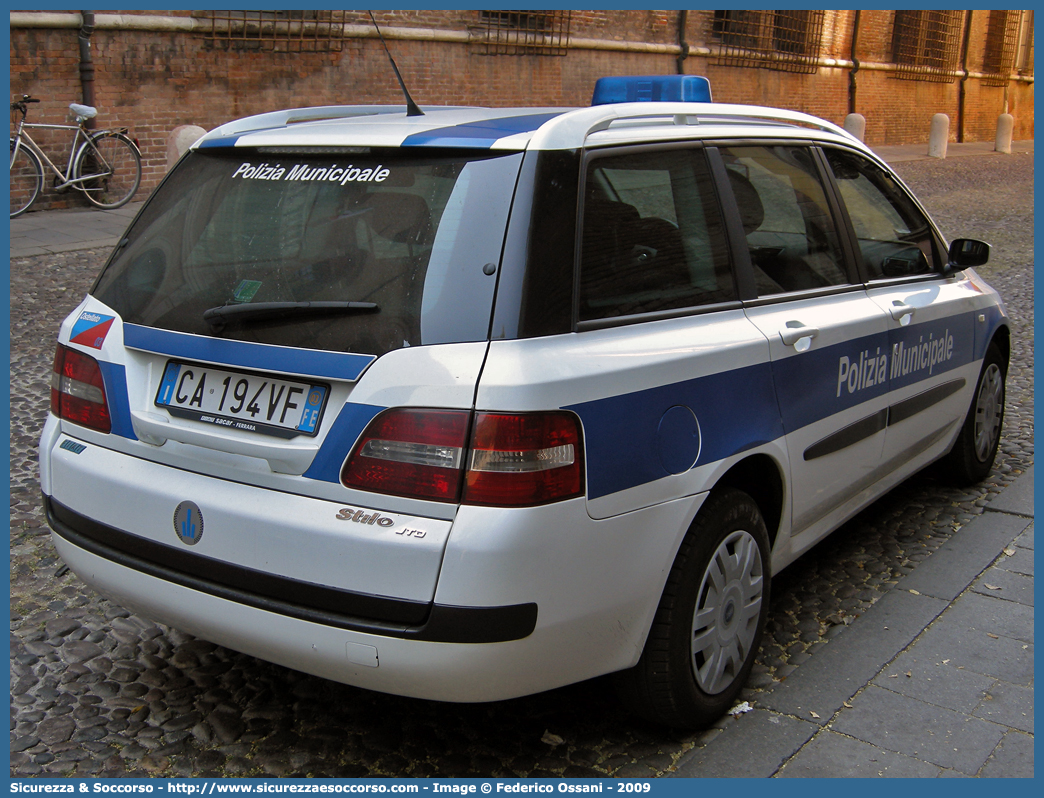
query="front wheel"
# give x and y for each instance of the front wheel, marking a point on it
(26, 179)
(108, 170)
(709, 623)
(971, 458)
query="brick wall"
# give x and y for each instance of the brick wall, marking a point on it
(154, 80)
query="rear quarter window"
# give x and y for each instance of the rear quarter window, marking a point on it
(652, 236)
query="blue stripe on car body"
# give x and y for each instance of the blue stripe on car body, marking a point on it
(796, 376)
(346, 429)
(738, 410)
(266, 357)
(478, 135)
(114, 377)
(224, 141)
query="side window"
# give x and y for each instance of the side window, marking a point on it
(652, 236)
(895, 239)
(790, 231)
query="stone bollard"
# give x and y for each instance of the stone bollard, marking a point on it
(856, 125)
(1005, 126)
(180, 139)
(939, 137)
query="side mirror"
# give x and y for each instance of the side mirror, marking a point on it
(967, 252)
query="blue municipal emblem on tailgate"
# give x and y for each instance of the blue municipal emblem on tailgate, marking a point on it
(188, 523)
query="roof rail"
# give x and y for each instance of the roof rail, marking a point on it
(277, 119)
(572, 129)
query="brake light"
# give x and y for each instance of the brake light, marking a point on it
(77, 390)
(410, 452)
(521, 460)
(514, 460)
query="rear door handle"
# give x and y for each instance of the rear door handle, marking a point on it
(901, 312)
(797, 335)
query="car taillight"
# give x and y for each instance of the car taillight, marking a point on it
(514, 460)
(411, 452)
(77, 390)
(524, 459)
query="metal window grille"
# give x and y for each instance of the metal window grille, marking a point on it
(926, 45)
(785, 41)
(1024, 59)
(1002, 42)
(522, 32)
(277, 31)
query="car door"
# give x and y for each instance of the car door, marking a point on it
(827, 339)
(931, 316)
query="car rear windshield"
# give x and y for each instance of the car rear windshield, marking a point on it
(364, 252)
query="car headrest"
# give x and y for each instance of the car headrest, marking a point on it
(400, 217)
(752, 212)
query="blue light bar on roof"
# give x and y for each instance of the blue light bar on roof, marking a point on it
(651, 88)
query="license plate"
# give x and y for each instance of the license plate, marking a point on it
(242, 401)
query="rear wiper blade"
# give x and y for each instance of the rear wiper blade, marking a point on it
(218, 317)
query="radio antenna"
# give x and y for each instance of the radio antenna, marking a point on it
(411, 106)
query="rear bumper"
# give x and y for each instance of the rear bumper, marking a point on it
(409, 667)
(341, 609)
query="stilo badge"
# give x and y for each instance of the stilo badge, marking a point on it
(188, 523)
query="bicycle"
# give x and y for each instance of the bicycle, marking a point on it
(104, 164)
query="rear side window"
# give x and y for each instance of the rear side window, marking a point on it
(652, 236)
(364, 252)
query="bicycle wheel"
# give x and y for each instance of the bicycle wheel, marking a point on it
(26, 179)
(111, 165)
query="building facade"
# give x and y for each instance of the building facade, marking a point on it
(154, 71)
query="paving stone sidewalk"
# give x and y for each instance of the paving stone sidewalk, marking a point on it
(52, 232)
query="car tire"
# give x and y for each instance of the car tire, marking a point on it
(709, 622)
(971, 458)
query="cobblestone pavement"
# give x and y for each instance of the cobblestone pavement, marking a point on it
(97, 691)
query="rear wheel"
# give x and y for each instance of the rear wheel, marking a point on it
(113, 165)
(710, 619)
(26, 179)
(972, 456)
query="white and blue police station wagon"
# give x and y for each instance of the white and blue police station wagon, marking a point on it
(477, 403)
